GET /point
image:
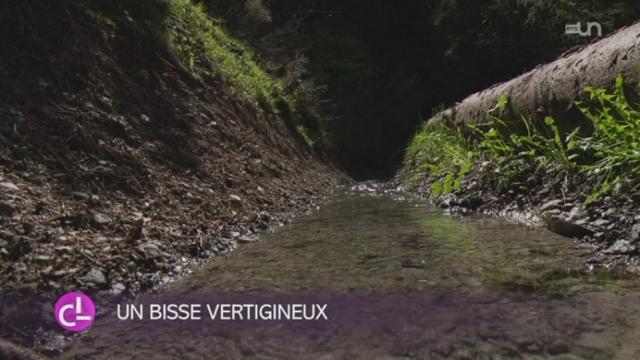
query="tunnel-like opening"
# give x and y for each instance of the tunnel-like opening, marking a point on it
(384, 67)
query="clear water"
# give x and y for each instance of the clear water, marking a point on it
(402, 281)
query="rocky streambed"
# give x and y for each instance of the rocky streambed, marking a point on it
(401, 280)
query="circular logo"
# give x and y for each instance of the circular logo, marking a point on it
(75, 311)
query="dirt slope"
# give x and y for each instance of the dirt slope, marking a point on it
(118, 167)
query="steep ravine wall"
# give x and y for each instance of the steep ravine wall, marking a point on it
(120, 168)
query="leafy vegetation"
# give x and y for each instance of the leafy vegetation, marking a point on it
(608, 160)
(207, 49)
(443, 152)
(612, 153)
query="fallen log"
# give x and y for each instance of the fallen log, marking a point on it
(552, 89)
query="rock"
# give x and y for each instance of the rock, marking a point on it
(565, 228)
(8, 186)
(577, 213)
(600, 223)
(609, 213)
(634, 234)
(118, 288)
(622, 247)
(235, 199)
(471, 202)
(550, 205)
(81, 196)
(7, 208)
(593, 264)
(101, 219)
(245, 239)
(94, 199)
(96, 277)
(150, 249)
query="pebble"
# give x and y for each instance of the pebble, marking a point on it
(101, 219)
(6, 208)
(576, 213)
(78, 195)
(245, 239)
(8, 186)
(96, 277)
(549, 205)
(118, 288)
(600, 223)
(622, 247)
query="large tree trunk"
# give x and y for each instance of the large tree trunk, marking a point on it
(552, 89)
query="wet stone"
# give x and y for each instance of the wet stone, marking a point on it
(471, 202)
(622, 247)
(565, 228)
(551, 205)
(249, 238)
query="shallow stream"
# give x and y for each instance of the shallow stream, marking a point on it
(401, 280)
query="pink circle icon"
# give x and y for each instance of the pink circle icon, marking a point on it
(75, 311)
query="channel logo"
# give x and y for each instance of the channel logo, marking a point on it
(75, 311)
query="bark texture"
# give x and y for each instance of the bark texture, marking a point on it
(553, 88)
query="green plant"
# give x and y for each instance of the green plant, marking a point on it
(442, 152)
(613, 150)
(206, 49)
(306, 136)
(608, 160)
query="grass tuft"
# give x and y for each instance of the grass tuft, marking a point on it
(608, 160)
(206, 49)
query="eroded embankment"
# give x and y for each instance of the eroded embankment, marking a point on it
(120, 164)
